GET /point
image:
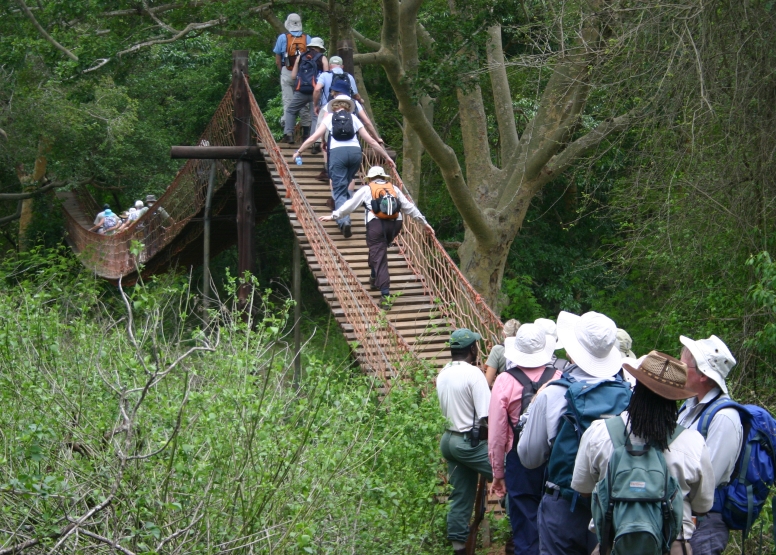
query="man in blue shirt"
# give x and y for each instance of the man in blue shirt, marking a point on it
(287, 48)
(322, 93)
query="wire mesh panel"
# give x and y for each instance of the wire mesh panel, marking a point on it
(109, 256)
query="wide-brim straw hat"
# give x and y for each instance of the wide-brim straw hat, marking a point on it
(662, 374)
(528, 348)
(590, 340)
(351, 104)
(712, 357)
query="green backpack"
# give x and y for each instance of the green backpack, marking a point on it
(638, 506)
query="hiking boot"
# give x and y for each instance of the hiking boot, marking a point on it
(347, 231)
(288, 139)
(386, 303)
(305, 133)
(323, 176)
(372, 285)
(330, 203)
(316, 149)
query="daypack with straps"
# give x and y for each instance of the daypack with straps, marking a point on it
(342, 127)
(385, 202)
(742, 498)
(529, 391)
(307, 74)
(294, 46)
(585, 402)
(336, 78)
(638, 506)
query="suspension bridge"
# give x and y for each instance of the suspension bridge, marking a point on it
(432, 296)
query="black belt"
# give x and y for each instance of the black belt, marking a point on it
(457, 433)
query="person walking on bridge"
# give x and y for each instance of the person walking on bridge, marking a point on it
(288, 47)
(344, 151)
(381, 228)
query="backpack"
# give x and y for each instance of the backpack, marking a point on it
(109, 221)
(294, 46)
(638, 506)
(585, 402)
(308, 72)
(385, 203)
(335, 78)
(529, 391)
(342, 128)
(742, 498)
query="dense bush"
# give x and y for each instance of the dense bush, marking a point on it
(127, 421)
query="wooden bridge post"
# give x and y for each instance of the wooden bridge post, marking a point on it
(246, 213)
(297, 286)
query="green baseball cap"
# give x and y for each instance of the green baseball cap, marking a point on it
(462, 338)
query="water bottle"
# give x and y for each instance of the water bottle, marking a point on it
(298, 160)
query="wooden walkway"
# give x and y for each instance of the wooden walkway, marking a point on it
(414, 313)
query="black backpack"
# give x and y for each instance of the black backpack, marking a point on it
(342, 128)
(336, 78)
(307, 75)
(529, 391)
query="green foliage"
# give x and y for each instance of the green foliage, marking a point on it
(173, 435)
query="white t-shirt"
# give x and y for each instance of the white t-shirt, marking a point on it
(687, 460)
(334, 143)
(463, 394)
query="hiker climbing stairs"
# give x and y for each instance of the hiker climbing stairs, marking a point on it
(414, 313)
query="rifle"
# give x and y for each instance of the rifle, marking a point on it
(480, 502)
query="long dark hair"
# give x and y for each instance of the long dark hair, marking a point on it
(652, 417)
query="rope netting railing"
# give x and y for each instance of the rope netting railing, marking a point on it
(456, 298)
(385, 351)
(109, 256)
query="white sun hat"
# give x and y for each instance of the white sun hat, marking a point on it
(551, 329)
(712, 357)
(293, 23)
(376, 171)
(590, 340)
(317, 42)
(528, 348)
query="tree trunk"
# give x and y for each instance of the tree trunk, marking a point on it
(484, 267)
(411, 169)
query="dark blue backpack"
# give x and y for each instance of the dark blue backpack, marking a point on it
(585, 402)
(307, 74)
(742, 499)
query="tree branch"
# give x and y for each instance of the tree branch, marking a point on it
(369, 43)
(381, 57)
(15, 216)
(561, 161)
(502, 96)
(43, 32)
(140, 11)
(182, 34)
(47, 187)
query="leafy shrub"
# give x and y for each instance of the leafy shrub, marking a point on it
(129, 421)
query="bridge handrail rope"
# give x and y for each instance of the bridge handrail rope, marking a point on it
(109, 255)
(457, 299)
(385, 351)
